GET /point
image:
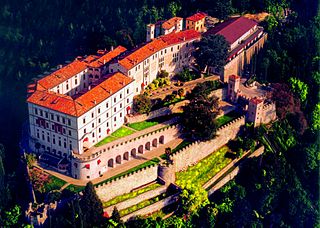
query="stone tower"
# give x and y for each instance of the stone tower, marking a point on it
(233, 88)
(255, 111)
(150, 32)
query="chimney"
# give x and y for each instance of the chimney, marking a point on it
(59, 66)
(111, 48)
(184, 38)
(89, 87)
(104, 62)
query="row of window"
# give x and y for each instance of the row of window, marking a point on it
(107, 114)
(54, 142)
(58, 118)
(155, 56)
(99, 121)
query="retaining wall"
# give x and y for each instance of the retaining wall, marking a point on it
(127, 183)
(196, 151)
(174, 108)
(153, 207)
(137, 199)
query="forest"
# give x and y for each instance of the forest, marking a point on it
(37, 35)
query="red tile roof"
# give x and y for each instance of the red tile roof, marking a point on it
(256, 100)
(108, 57)
(233, 28)
(62, 74)
(82, 104)
(234, 77)
(76, 67)
(155, 45)
(171, 22)
(197, 17)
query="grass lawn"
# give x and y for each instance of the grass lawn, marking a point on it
(54, 183)
(142, 205)
(75, 188)
(130, 195)
(121, 132)
(227, 118)
(202, 172)
(142, 125)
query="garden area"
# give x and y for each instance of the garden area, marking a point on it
(142, 204)
(43, 182)
(204, 170)
(121, 132)
(130, 195)
(152, 122)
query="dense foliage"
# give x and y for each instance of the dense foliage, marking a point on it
(212, 51)
(37, 35)
(142, 104)
(198, 117)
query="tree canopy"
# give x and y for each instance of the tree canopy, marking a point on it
(212, 51)
(199, 117)
(91, 206)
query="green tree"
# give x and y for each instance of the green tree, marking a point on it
(141, 104)
(163, 74)
(204, 89)
(212, 51)
(31, 159)
(198, 117)
(173, 9)
(115, 215)
(91, 207)
(186, 75)
(12, 216)
(220, 8)
(193, 198)
(316, 118)
(300, 88)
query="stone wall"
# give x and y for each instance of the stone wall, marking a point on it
(153, 207)
(199, 150)
(234, 172)
(137, 199)
(220, 93)
(127, 183)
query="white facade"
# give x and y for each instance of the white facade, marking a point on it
(172, 58)
(62, 134)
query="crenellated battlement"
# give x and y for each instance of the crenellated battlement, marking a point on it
(108, 148)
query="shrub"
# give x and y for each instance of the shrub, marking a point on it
(163, 74)
(142, 104)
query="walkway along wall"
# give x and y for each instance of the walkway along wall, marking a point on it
(196, 151)
(114, 154)
(127, 183)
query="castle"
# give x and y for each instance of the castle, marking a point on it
(81, 103)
